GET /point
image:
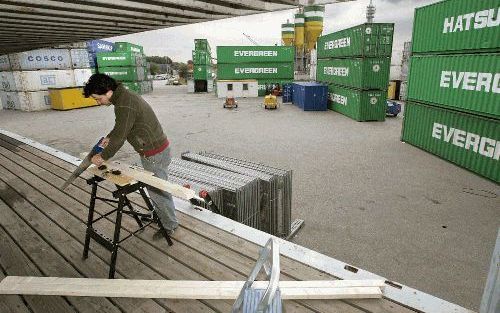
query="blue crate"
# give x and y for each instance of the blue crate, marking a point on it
(287, 93)
(310, 96)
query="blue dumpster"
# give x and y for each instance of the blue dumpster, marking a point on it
(310, 96)
(287, 93)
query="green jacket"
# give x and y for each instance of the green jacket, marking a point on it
(135, 122)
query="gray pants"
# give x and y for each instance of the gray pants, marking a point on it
(162, 200)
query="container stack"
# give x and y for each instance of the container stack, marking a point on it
(269, 65)
(453, 106)
(355, 62)
(127, 64)
(405, 64)
(25, 77)
(96, 46)
(202, 67)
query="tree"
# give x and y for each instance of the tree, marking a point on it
(155, 69)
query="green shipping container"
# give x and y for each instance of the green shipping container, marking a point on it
(261, 84)
(457, 26)
(254, 54)
(201, 44)
(357, 104)
(467, 140)
(255, 71)
(366, 73)
(202, 72)
(128, 47)
(201, 57)
(133, 86)
(365, 40)
(129, 74)
(467, 82)
(116, 59)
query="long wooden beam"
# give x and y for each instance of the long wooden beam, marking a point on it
(182, 289)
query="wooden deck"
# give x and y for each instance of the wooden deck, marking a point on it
(42, 231)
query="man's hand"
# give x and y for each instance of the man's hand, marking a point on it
(97, 159)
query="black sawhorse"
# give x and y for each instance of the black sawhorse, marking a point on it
(120, 193)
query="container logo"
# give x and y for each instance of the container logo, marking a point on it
(120, 58)
(338, 43)
(478, 20)
(339, 99)
(376, 68)
(485, 146)
(46, 58)
(252, 53)
(368, 30)
(116, 73)
(48, 80)
(488, 82)
(336, 71)
(256, 70)
(373, 100)
(103, 46)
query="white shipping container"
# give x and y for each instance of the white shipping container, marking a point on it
(80, 58)
(41, 59)
(82, 76)
(37, 80)
(190, 85)
(237, 88)
(4, 62)
(210, 85)
(26, 101)
(312, 71)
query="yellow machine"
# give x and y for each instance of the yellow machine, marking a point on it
(230, 103)
(270, 102)
(69, 98)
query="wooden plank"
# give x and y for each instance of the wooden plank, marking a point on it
(12, 303)
(77, 228)
(181, 289)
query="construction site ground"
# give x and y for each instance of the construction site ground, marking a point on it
(367, 199)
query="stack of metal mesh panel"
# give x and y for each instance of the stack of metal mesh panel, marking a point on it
(275, 202)
(216, 193)
(240, 193)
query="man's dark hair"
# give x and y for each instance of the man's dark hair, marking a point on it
(99, 84)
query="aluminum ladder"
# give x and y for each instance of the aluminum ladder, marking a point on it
(268, 300)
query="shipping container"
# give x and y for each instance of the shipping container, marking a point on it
(69, 98)
(365, 40)
(268, 83)
(310, 96)
(361, 73)
(403, 91)
(4, 62)
(202, 72)
(190, 85)
(25, 101)
(100, 46)
(36, 80)
(79, 58)
(467, 140)
(202, 44)
(255, 54)
(106, 59)
(124, 73)
(41, 59)
(201, 57)
(133, 86)
(82, 76)
(255, 71)
(457, 26)
(128, 47)
(237, 88)
(467, 82)
(368, 105)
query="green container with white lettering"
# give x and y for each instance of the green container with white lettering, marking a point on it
(468, 140)
(255, 71)
(134, 86)
(201, 57)
(254, 54)
(466, 82)
(105, 59)
(202, 72)
(262, 83)
(124, 74)
(128, 47)
(360, 73)
(457, 26)
(360, 105)
(365, 40)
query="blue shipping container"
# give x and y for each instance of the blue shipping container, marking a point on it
(310, 96)
(287, 93)
(100, 46)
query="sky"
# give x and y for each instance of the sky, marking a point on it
(178, 42)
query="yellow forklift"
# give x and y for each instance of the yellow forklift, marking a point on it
(271, 97)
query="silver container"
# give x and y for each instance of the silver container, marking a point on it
(80, 58)
(41, 59)
(36, 80)
(4, 62)
(82, 75)
(25, 101)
